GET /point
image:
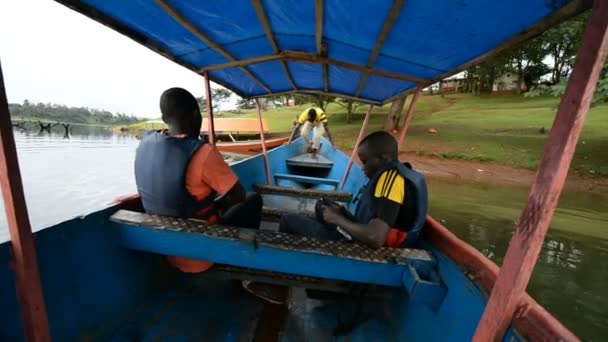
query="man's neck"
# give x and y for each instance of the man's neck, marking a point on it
(176, 134)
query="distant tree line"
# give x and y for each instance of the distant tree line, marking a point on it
(65, 114)
(542, 64)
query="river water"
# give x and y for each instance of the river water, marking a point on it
(64, 178)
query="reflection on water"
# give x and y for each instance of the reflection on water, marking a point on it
(570, 279)
(64, 178)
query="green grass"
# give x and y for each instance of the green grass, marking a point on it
(508, 130)
(143, 127)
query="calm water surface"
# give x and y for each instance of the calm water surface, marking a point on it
(64, 178)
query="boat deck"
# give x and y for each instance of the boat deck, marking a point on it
(206, 307)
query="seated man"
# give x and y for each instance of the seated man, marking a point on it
(391, 208)
(179, 175)
(313, 117)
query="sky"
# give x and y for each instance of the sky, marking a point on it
(50, 53)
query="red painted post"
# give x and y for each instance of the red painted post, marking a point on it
(359, 138)
(263, 141)
(210, 124)
(27, 278)
(527, 241)
(409, 115)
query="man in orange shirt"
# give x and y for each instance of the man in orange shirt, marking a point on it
(179, 175)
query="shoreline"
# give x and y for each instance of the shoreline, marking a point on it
(492, 173)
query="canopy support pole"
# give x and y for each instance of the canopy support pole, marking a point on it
(409, 115)
(359, 138)
(390, 20)
(263, 141)
(534, 222)
(25, 263)
(210, 123)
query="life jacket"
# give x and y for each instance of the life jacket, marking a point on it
(413, 218)
(161, 162)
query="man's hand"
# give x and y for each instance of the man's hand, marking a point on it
(332, 214)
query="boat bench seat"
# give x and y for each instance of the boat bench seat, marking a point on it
(307, 160)
(306, 179)
(285, 279)
(307, 193)
(272, 251)
(274, 214)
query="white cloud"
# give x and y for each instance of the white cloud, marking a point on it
(50, 53)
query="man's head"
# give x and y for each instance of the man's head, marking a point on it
(180, 112)
(312, 114)
(376, 150)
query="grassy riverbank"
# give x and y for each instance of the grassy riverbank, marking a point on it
(508, 130)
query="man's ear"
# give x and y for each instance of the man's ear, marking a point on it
(386, 158)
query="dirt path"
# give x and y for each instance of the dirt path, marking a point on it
(493, 173)
(489, 173)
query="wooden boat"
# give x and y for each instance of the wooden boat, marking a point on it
(242, 135)
(103, 276)
(253, 146)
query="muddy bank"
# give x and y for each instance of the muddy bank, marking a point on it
(453, 169)
(490, 173)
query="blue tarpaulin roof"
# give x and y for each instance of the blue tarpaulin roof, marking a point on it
(370, 50)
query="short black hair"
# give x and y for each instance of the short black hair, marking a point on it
(178, 105)
(312, 114)
(381, 143)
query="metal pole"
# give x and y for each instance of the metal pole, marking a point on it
(210, 124)
(409, 115)
(27, 277)
(263, 140)
(359, 138)
(534, 222)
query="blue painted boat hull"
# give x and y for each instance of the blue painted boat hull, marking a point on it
(97, 290)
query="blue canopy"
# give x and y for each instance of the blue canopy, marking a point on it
(369, 51)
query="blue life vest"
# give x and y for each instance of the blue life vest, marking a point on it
(161, 162)
(416, 201)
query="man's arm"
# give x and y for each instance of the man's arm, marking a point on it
(331, 140)
(294, 129)
(235, 195)
(211, 170)
(372, 234)
(389, 196)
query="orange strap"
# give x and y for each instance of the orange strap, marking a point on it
(189, 265)
(192, 266)
(395, 238)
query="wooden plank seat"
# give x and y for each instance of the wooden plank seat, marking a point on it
(274, 214)
(270, 251)
(306, 179)
(307, 193)
(307, 160)
(291, 280)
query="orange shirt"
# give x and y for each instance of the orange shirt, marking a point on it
(207, 172)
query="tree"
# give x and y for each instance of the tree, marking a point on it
(218, 96)
(527, 61)
(245, 103)
(394, 115)
(561, 43)
(558, 90)
(63, 114)
(350, 106)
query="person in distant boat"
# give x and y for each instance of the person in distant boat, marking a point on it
(391, 208)
(313, 117)
(179, 175)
